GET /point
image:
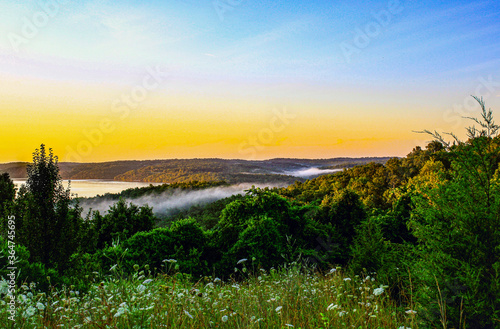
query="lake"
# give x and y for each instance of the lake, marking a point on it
(93, 187)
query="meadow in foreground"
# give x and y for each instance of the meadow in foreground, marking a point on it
(291, 297)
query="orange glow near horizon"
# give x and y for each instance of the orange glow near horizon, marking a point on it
(164, 126)
(102, 81)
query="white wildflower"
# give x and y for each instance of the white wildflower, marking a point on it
(278, 309)
(40, 306)
(347, 279)
(378, 291)
(242, 261)
(224, 318)
(332, 307)
(141, 288)
(120, 312)
(30, 311)
(187, 313)
(411, 312)
(147, 281)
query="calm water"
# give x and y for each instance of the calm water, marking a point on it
(93, 187)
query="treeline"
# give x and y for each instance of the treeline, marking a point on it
(163, 189)
(427, 224)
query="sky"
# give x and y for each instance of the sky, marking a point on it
(111, 80)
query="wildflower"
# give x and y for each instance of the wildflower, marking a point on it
(378, 291)
(30, 311)
(411, 312)
(122, 310)
(187, 313)
(289, 325)
(242, 261)
(224, 318)
(147, 281)
(278, 309)
(332, 307)
(217, 280)
(342, 313)
(347, 279)
(141, 288)
(403, 327)
(40, 306)
(169, 261)
(113, 267)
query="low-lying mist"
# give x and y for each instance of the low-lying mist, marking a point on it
(311, 172)
(171, 202)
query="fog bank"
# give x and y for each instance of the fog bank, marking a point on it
(311, 172)
(170, 202)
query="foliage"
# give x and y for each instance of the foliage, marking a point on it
(45, 222)
(456, 223)
(427, 224)
(291, 297)
(7, 195)
(120, 222)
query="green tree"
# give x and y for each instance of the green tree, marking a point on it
(121, 222)
(456, 221)
(7, 194)
(47, 224)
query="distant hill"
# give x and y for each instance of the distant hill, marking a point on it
(283, 170)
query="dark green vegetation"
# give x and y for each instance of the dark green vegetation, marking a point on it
(191, 170)
(427, 224)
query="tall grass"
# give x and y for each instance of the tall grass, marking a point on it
(291, 297)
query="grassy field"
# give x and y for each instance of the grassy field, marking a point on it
(291, 297)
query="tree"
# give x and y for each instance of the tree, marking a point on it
(120, 223)
(7, 194)
(47, 223)
(456, 221)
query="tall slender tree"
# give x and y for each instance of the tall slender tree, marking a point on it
(7, 194)
(49, 225)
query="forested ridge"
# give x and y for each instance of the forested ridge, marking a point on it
(190, 170)
(425, 226)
